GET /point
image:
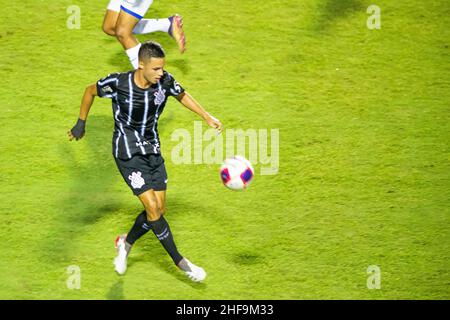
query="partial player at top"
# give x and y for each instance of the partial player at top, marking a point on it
(124, 18)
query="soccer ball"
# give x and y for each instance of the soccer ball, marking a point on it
(236, 173)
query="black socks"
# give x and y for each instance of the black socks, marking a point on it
(140, 227)
(161, 230)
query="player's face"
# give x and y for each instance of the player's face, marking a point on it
(153, 69)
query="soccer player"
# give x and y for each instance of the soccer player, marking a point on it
(124, 18)
(138, 99)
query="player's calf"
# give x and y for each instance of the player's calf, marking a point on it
(125, 36)
(162, 231)
(141, 226)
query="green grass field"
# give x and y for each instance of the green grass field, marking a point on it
(364, 157)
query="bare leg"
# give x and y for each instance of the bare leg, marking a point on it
(124, 30)
(109, 22)
(161, 199)
(150, 202)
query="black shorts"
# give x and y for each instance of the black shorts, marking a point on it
(143, 173)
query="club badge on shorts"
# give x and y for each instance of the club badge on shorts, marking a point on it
(136, 180)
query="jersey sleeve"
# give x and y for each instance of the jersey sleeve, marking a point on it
(107, 86)
(175, 88)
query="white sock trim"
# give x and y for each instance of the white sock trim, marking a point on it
(145, 26)
(133, 55)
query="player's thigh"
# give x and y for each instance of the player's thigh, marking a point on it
(158, 173)
(125, 23)
(136, 8)
(124, 30)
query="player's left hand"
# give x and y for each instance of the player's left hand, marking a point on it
(78, 130)
(214, 123)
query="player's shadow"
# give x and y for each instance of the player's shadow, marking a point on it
(182, 65)
(87, 195)
(119, 62)
(331, 10)
(154, 254)
(116, 291)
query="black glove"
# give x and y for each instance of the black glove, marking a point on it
(79, 129)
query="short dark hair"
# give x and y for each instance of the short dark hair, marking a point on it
(151, 49)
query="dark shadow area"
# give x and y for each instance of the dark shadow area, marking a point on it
(85, 197)
(116, 291)
(331, 10)
(119, 61)
(247, 258)
(182, 65)
(153, 255)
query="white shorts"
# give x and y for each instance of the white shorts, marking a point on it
(136, 8)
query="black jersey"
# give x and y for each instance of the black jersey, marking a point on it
(136, 111)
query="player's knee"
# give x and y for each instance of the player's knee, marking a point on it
(109, 30)
(122, 33)
(161, 208)
(153, 211)
(153, 215)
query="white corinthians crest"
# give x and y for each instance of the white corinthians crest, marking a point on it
(136, 180)
(160, 96)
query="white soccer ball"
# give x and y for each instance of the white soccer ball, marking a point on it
(236, 173)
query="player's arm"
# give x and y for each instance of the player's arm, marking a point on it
(189, 102)
(78, 130)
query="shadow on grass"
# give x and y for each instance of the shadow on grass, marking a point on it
(86, 196)
(119, 62)
(155, 256)
(182, 65)
(331, 10)
(116, 291)
(247, 258)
